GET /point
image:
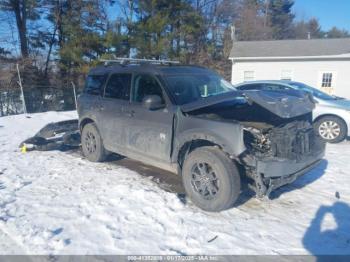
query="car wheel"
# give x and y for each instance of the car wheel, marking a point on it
(211, 179)
(331, 129)
(92, 145)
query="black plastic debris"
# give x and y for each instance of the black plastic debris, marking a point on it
(55, 136)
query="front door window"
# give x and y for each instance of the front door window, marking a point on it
(145, 85)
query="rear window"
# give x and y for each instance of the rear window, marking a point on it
(94, 84)
(118, 86)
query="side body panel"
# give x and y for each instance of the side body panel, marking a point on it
(88, 108)
(149, 131)
(227, 135)
(113, 124)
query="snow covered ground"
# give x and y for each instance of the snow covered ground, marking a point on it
(59, 203)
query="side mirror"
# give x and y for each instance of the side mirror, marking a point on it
(153, 102)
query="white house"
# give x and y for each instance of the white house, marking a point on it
(321, 63)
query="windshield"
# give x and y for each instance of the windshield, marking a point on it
(315, 92)
(190, 88)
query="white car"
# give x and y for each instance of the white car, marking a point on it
(331, 115)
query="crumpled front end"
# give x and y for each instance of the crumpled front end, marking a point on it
(277, 156)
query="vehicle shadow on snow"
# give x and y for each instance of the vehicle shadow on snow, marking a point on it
(165, 180)
(302, 181)
(334, 241)
(173, 183)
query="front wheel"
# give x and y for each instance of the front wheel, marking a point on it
(331, 129)
(211, 179)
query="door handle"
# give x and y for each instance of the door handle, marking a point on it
(101, 108)
(131, 113)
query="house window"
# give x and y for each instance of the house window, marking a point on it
(248, 76)
(286, 75)
(327, 79)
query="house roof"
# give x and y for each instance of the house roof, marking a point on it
(290, 48)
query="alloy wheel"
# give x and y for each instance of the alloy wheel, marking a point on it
(204, 180)
(90, 142)
(329, 130)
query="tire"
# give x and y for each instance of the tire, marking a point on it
(337, 129)
(221, 177)
(92, 144)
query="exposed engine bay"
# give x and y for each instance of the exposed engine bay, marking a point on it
(266, 134)
(272, 142)
(289, 141)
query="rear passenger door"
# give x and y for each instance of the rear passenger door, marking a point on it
(116, 97)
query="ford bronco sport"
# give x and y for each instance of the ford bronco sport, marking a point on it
(188, 120)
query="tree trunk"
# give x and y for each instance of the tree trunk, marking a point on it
(52, 41)
(20, 9)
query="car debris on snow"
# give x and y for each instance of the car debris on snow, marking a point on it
(54, 135)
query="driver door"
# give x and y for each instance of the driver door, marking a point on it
(150, 131)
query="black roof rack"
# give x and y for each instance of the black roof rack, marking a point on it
(125, 61)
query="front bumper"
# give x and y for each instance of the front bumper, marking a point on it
(284, 167)
(274, 183)
(270, 174)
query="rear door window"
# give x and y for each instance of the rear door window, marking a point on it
(251, 87)
(93, 84)
(118, 86)
(275, 87)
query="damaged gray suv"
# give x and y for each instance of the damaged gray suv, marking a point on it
(188, 120)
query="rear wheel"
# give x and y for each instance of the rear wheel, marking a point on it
(211, 179)
(92, 145)
(331, 129)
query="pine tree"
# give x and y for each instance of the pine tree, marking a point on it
(23, 10)
(281, 18)
(79, 29)
(165, 28)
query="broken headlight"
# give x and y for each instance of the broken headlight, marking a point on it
(256, 140)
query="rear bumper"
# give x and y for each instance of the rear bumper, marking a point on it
(347, 120)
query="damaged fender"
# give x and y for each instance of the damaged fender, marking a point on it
(228, 136)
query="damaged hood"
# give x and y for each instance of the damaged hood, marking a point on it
(285, 104)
